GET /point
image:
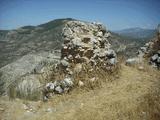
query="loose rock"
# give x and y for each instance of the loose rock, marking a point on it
(80, 84)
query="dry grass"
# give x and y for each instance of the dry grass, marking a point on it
(135, 95)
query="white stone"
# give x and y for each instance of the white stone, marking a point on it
(80, 84)
(50, 86)
(154, 57)
(112, 61)
(45, 98)
(158, 60)
(64, 63)
(100, 34)
(144, 49)
(92, 79)
(49, 110)
(70, 57)
(147, 45)
(2, 109)
(65, 47)
(25, 107)
(77, 56)
(67, 32)
(107, 35)
(141, 68)
(68, 81)
(110, 53)
(59, 90)
(77, 42)
(131, 61)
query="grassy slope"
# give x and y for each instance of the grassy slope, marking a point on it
(132, 96)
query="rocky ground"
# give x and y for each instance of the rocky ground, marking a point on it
(134, 94)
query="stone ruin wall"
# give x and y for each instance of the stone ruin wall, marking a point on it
(84, 43)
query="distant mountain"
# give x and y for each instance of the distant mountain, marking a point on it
(137, 32)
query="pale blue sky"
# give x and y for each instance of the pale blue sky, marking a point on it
(115, 14)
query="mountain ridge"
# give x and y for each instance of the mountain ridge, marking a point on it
(137, 32)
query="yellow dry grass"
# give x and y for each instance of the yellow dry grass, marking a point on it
(135, 95)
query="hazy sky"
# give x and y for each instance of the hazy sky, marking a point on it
(115, 14)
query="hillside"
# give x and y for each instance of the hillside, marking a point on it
(30, 39)
(132, 95)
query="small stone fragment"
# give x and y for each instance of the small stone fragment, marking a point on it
(80, 84)
(59, 90)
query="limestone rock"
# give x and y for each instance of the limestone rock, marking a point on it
(80, 84)
(141, 68)
(50, 86)
(64, 63)
(68, 82)
(92, 79)
(154, 57)
(112, 61)
(59, 90)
